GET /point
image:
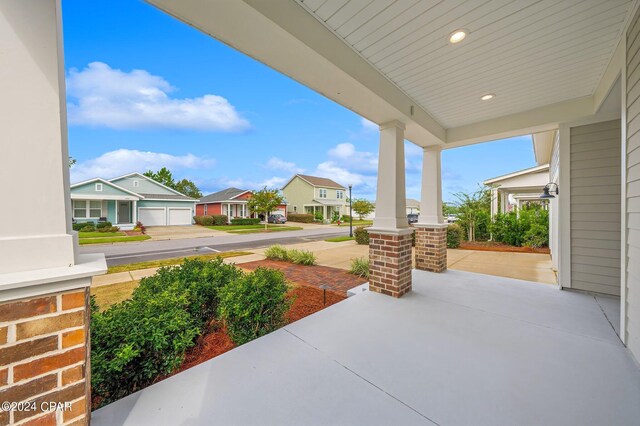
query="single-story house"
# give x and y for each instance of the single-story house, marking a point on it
(127, 199)
(510, 191)
(231, 202)
(412, 207)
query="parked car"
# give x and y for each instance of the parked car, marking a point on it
(412, 217)
(277, 218)
(452, 218)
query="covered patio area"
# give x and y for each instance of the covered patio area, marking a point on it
(461, 348)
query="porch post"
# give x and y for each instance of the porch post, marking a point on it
(494, 202)
(431, 229)
(390, 235)
(44, 281)
(134, 214)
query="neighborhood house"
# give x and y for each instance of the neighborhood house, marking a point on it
(311, 194)
(127, 199)
(231, 202)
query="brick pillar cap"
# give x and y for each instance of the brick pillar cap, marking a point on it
(431, 225)
(390, 231)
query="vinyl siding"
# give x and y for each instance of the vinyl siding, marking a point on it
(595, 207)
(107, 190)
(145, 186)
(633, 188)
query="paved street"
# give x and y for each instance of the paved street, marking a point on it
(119, 254)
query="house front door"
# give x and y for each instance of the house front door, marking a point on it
(124, 211)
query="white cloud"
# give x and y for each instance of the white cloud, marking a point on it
(345, 154)
(122, 161)
(276, 163)
(105, 97)
(369, 126)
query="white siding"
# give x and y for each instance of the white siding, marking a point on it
(554, 217)
(595, 207)
(633, 188)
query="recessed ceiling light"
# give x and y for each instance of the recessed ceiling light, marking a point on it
(457, 36)
(487, 97)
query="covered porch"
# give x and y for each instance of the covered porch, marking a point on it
(325, 207)
(461, 348)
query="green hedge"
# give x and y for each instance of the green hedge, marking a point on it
(455, 234)
(211, 220)
(300, 217)
(254, 305)
(134, 342)
(528, 228)
(245, 221)
(361, 235)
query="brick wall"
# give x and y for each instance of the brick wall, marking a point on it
(44, 357)
(390, 264)
(431, 249)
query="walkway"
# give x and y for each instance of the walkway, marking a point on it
(462, 348)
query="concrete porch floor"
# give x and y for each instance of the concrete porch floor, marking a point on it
(462, 348)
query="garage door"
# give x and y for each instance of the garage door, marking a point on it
(152, 216)
(179, 216)
(279, 211)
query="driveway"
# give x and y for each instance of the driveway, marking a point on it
(159, 233)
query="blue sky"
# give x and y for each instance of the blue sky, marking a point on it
(146, 91)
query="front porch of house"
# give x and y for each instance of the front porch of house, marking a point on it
(121, 212)
(326, 209)
(461, 348)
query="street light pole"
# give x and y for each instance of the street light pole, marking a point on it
(350, 213)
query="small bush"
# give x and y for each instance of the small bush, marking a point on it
(140, 227)
(454, 235)
(219, 219)
(254, 305)
(203, 220)
(102, 225)
(78, 226)
(300, 217)
(245, 221)
(277, 252)
(317, 216)
(537, 236)
(301, 257)
(345, 218)
(88, 227)
(362, 235)
(108, 229)
(335, 216)
(360, 267)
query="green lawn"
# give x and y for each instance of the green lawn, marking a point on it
(340, 239)
(358, 223)
(100, 234)
(251, 229)
(172, 261)
(113, 239)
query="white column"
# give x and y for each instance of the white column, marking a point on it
(391, 212)
(431, 194)
(134, 215)
(494, 202)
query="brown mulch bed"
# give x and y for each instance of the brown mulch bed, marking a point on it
(335, 279)
(132, 233)
(501, 247)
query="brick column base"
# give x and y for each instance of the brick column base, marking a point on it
(390, 262)
(44, 346)
(431, 248)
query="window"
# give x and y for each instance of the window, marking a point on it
(85, 209)
(339, 194)
(136, 183)
(79, 208)
(322, 193)
(205, 209)
(98, 187)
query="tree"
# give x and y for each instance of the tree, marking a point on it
(184, 186)
(264, 201)
(472, 209)
(449, 209)
(72, 161)
(362, 207)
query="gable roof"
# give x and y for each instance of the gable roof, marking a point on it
(317, 181)
(224, 195)
(106, 182)
(150, 180)
(537, 169)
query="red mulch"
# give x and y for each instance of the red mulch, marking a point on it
(132, 233)
(309, 300)
(501, 247)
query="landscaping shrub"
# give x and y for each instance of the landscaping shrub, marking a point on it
(135, 341)
(360, 267)
(140, 227)
(335, 216)
(300, 217)
(219, 219)
(101, 225)
(362, 235)
(530, 227)
(454, 235)
(245, 221)
(254, 305)
(79, 226)
(108, 229)
(277, 252)
(317, 216)
(203, 220)
(345, 218)
(88, 227)
(301, 257)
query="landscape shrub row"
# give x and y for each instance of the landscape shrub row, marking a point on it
(245, 221)
(300, 257)
(454, 236)
(136, 341)
(300, 217)
(529, 227)
(211, 220)
(93, 227)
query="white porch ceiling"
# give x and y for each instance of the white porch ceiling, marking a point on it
(529, 53)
